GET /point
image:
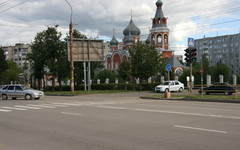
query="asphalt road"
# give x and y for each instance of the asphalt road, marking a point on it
(117, 122)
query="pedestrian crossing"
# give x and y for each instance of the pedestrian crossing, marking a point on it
(54, 105)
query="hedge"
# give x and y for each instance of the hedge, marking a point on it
(111, 86)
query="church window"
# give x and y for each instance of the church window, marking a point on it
(153, 39)
(164, 20)
(165, 39)
(116, 65)
(159, 20)
(159, 39)
(154, 21)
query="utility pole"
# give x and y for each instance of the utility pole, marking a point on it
(71, 50)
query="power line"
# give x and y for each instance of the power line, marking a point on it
(14, 6)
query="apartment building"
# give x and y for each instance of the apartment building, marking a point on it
(225, 48)
(17, 53)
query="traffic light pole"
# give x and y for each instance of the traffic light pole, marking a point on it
(190, 92)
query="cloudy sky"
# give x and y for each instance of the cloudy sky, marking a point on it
(20, 20)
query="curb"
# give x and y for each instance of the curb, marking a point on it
(197, 100)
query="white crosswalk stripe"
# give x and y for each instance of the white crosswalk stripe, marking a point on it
(44, 106)
(14, 108)
(56, 105)
(5, 110)
(29, 107)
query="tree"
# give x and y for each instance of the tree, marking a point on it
(11, 74)
(37, 57)
(48, 51)
(220, 69)
(104, 74)
(145, 61)
(3, 64)
(125, 72)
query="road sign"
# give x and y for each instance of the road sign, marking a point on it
(190, 42)
(168, 67)
(201, 70)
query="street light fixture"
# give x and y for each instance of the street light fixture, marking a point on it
(71, 49)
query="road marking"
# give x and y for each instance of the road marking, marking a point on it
(171, 112)
(44, 106)
(201, 129)
(68, 113)
(14, 108)
(29, 107)
(4, 110)
(69, 104)
(57, 105)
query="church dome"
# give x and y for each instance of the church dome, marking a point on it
(114, 41)
(129, 40)
(134, 30)
(159, 3)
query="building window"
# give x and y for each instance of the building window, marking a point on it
(165, 39)
(159, 39)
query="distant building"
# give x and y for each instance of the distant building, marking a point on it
(224, 48)
(17, 53)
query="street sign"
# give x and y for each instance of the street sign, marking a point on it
(201, 70)
(190, 42)
(168, 67)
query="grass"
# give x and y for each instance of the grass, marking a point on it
(197, 96)
(85, 92)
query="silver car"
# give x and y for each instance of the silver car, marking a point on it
(20, 91)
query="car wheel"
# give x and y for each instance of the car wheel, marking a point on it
(166, 90)
(28, 97)
(226, 93)
(4, 97)
(180, 89)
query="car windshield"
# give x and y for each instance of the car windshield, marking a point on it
(26, 87)
(166, 83)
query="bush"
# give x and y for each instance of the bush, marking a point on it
(111, 86)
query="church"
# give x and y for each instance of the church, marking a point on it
(159, 36)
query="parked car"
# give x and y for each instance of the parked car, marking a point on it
(20, 91)
(170, 86)
(218, 88)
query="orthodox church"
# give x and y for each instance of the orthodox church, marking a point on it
(159, 36)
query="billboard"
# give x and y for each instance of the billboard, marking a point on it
(87, 50)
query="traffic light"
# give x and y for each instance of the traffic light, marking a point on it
(188, 54)
(193, 55)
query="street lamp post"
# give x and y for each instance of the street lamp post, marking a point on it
(71, 50)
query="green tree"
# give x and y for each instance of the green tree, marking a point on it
(37, 57)
(11, 74)
(3, 64)
(238, 78)
(145, 61)
(125, 72)
(220, 69)
(48, 51)
(104, 74)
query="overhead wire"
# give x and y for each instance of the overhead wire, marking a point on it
(13, 6)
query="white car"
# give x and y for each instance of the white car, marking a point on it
(19, 91)
(170, 86)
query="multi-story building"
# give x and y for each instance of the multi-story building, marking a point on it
(224, 48)
(17, 53)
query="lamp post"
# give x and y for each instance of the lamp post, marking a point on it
(71, 50)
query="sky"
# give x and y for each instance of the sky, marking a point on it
(21, 20)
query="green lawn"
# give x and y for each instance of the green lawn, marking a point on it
(197, 96)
